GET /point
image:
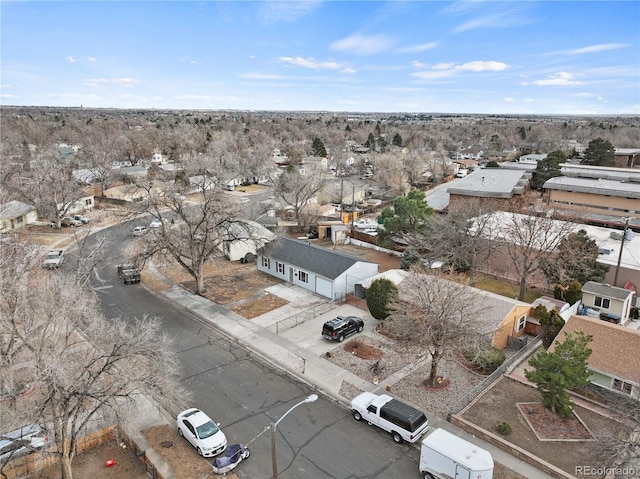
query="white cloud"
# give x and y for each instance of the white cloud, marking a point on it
(443, 66)
(189, 60)
(603, 47)
(70, 59)
(348, 71)
(123, 82)
(444, 70)
(479, 66)
(91, 59)
(310, 63)
(509, 100)
(559, 79)
(418, 48)
(417, 64)
(433, 74)
(363, 44)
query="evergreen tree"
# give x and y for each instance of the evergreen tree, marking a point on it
(409, 258)
(409, 215)
(397, 140)
(317, 148)
(569, 292)
(493, 164)
(371, 142)
(575, 259)
(560, 370)
(381, 296)
(600, 153)
(551, 323)
(547, 168)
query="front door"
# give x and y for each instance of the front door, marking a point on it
(290, 274)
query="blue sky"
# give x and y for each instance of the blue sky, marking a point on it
(470, 56)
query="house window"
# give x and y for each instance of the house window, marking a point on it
(304, 277)
(602, 302)
(266, 262)
(622, 386)
(280, 267)
(522, 321)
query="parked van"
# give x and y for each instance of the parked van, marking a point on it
(404, 422)
(445, 455)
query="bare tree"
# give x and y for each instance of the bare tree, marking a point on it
(390, 175)
(193, 232)
(462, 237)
(297, 190)
(526, 239)
(83, 368)
(619, 443)
(51, 186)
(440, 316)
(101, 146)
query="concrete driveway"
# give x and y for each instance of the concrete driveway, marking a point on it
(300, 321)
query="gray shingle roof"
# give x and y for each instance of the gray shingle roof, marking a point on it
(606, 290)
(13, 209)
(321, 261)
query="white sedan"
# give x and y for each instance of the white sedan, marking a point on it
(203, 434)
(156, 223)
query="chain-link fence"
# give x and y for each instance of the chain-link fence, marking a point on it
(510, 363)
(301, 317)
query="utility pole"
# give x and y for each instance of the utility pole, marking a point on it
(624, 235)
(353, 202)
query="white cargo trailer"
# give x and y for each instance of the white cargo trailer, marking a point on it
(444, 455)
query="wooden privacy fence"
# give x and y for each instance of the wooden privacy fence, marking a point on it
(27, 466)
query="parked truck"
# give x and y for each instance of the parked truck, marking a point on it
(128, 273)
(402, 421)
(53, 259)
(444, 455)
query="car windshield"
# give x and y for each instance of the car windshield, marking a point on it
(206, 430)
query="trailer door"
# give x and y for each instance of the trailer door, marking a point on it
(462, 473)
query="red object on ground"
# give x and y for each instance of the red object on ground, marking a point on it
(110, 462)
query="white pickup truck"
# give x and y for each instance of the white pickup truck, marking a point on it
(404, 422)
(53, 259)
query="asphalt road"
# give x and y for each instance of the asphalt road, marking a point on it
(245, 394)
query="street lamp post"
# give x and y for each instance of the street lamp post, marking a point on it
(274, 425)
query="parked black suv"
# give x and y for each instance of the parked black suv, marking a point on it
(342, 326)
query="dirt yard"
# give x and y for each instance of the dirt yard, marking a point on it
(240, 287)
(179, 454)
(561, 448)
(92, 464)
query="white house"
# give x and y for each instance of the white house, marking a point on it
(329, 273)
(80, 205)
(532, 158)
(607, 302)
(245, 237)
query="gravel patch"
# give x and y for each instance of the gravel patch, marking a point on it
(404, 368)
